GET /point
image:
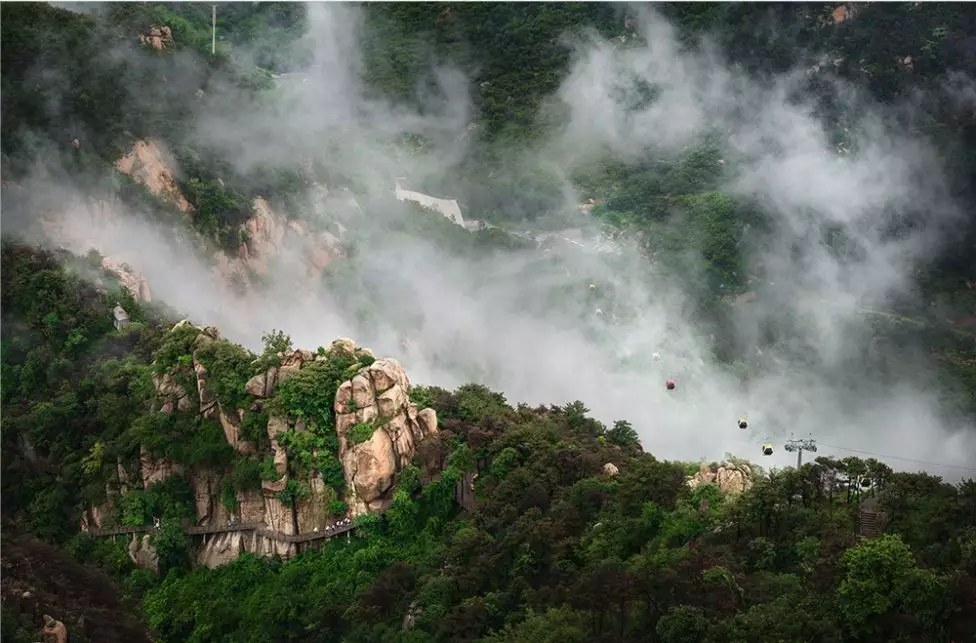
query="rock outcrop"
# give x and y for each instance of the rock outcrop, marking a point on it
(155, 470)
(54, 630)
(220, 549)
(146, 165)
(376, 394)
(135, 283)
(142, 552)
(377, 397)
(95, 517)
(730, 477)
(270, 237)
(159, 38)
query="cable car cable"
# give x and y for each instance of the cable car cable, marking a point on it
(895, 457)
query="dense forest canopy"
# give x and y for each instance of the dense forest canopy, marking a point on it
(769, 204)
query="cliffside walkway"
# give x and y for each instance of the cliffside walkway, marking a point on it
(201, 530)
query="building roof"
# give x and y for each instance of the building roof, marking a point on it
(119, 313)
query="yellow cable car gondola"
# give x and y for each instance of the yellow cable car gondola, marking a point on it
(767, 449)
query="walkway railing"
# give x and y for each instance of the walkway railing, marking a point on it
(201, 530)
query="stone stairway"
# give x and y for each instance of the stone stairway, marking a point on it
(871, 524)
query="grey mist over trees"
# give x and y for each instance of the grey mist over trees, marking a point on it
(490, 317)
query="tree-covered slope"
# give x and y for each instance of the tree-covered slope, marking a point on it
(576, 534)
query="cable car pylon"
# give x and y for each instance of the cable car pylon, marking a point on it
(800, 446)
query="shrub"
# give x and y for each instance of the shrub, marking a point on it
(338, 508)
(360, 433)
(310, 393)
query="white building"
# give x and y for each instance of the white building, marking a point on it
(120, 318)
(448, 207)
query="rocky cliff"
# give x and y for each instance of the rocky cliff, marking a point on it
(81, 224)
(269, 234)
(372, 435)
(147, 165)
(376, 401)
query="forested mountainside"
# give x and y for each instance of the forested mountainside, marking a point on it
(298, 314)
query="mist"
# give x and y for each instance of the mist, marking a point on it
(475, 318)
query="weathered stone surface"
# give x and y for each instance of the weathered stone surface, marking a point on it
(276, 515)
(378, 394)
(276, 426)
(142, 553)
(206, 485)
(230, 422)
(313, 510)
(95, 517)
(250, 506)
(729, 477)
(208, 400)
(134, 282)
(154, 470)
(147, 166)
(173, 396)
(54, 630)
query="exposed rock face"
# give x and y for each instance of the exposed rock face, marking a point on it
(610, 469)
(131, 280)
(154, 470)
(54, 630)
(142, 553)
(266, 232)
(208, 400)
(729, 477)
(145, 164)
(230, 422)
(378, 395)
(173, 396)
(313, 510)
(159, 38)
(264, 384)
(250, 506)
(220, 549)
(207, 493)
(94, 517)
(270, 235)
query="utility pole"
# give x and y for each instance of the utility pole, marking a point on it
(213, 36)
(800, 446)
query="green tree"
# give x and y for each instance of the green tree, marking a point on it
(623, 435)
(172, 545)
(885, 595)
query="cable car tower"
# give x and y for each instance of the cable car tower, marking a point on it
(800, 446)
